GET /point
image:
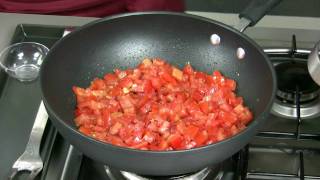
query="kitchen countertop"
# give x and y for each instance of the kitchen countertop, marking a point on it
(281, 28)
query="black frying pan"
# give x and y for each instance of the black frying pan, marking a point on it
(122, 41)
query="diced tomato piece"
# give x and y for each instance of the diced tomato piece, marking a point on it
(246, 116)
(120, 74)
(141, 145)
(149, 137)
(125, 82)
(175, 140)
(91, 104)
(106, 115)
(239, 109)
(197, 95)
(79, 91)
(201, 138)
(188, 69)
(84, 119)
(85, 130)
(227, 116)
(200, 75)
(115, 140)
(226, 107)
(167, 77)
(136, 74)
(101, 122)
(220, 135)
(164, 127)
(98, 84)
(115, 128)
(204, 106)
(231, 84)
(163, 145)
(234, 130)
(80, 111)
(158, 62)
(191, 131)
(147, 86)
(126, 102)
(217, 74)
(156, 83)
(98, 129)
(147, 62)
(110, 79)
(178, 74)
(116, 91)
(137, 87)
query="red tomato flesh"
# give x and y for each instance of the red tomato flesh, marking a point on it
(159, 107)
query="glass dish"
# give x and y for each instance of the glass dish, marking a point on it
(23, 60)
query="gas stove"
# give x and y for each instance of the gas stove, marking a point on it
(286, 147)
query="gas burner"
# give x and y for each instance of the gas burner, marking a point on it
(298, 96)
(293, 77)
(295, 86)
(285, 110)
(294, 83)
(205, 174)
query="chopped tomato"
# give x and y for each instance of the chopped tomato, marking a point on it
(201, 138)
(85, 130)
(167, 77)
(147, 62)
(111, 79)
(175, 140)
(191, 131)
(159, 107)
(126, 82)
(197, 95)
(188, 69)
(178, 74)
(115, 128)
(204, 106)
(156, 83)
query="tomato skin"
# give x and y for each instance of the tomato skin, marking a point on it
(116, 91)
(159, 107)
(226, 107)
(150, 137)
(156, 83)
(188, 69)
(176, 73)
(191, 131)
(98, 84)
(205, 107)
(201, 76)
(201, 138)
(85, 130)
(110, 79)
(217, 74)
(147, 87)
(197, 95)
(141, 145)
(125, 82)
(167, 77)
(175, 140)
(231, 84)
(163, 145)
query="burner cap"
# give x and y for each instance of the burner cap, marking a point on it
(293, 75)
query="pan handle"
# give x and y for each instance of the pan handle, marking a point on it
(254, 12)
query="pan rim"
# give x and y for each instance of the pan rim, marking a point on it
(104, 145)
